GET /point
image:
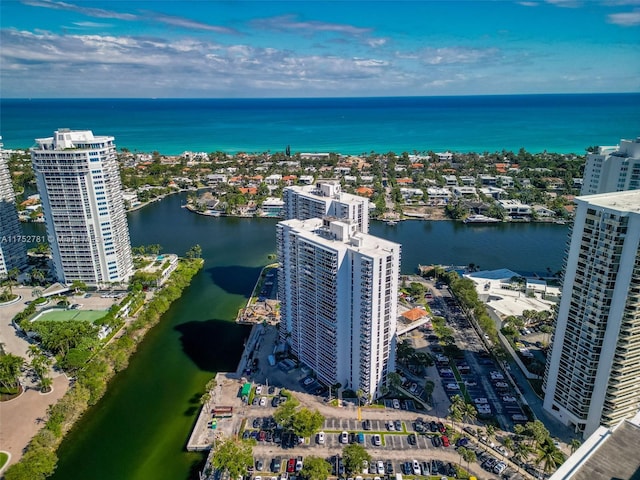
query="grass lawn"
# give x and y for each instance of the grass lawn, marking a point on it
(3, 458)
(82, 315)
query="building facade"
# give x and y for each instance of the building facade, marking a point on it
(613, 169)
(79, 184)
(13, 253)
(338, 289)
(325, 198)
(592, 376)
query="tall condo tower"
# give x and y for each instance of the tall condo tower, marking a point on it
(13, 253)
(325, 198)
(338, 290)
(613, 169)
(79, 184)
(592, 376)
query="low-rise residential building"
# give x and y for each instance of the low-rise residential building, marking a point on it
(493, 192)
(465, 192)
(451, 180)
(515, 208)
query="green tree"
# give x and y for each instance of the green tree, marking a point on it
(574, 445)
(232, 456)
(195, 252)
(78, 286)
(354, 455)
(284, 414)
(549, 456)
(394, 380)
(469, 456)
(10, 367)
(469, 412)
(306, 422)
(12, 277)
(37, 276)
(315, 468)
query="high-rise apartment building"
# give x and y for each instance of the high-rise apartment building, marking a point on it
(592, 376)
(613, 169)
(338, 290)
(325, 198)
(13, 253)
(79, 184)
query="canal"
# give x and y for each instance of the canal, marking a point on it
(139, 429)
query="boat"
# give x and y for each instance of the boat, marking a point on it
(391, 222)
(480, 219)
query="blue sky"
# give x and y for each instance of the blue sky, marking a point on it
(227, 49)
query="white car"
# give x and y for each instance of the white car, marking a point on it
(480, 400)
(396, 403)
(416, 467)
(380, 467)
(259, 390)
(365, 467)
(390, 426)
(377, 440)
(508, 398)
(320, 438)
(263, 401)
(344, 437)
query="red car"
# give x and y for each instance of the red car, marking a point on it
(445, 441)
(291, 465)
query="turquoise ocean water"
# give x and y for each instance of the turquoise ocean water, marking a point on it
(557, 123)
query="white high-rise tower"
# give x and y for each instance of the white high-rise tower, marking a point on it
(79, 184)
(613, 169)
(13, 253)
(338, 289)
(592, 375)
(325, 198)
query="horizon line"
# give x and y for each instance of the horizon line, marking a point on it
(328, 97)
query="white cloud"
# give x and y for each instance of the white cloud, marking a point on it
(290, 22)
(627, 19)
(456, 55)
(89, 11)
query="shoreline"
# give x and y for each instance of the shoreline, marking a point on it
(63, 415)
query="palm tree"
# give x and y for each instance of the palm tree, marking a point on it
(469, 456)
(522, 451)
(37, 275)
(469, 412)
(10, 368)
(574, 445)
(46, 384)
(549, 456)
(508, 443)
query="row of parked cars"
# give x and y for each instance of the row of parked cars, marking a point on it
(425, 467)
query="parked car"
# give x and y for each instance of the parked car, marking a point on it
(320, 438)
(396, 403)
(380, 468)
(366, 424)
(377, 440)
(413, 439)
(445, 441)
(291, 465)
(275, 464)
(415, 467)
(344, 437)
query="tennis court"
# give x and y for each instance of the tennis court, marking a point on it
(57, 315)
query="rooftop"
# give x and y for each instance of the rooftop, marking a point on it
(607, 454)
(628, 201)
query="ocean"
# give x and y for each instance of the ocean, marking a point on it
(556, 123)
